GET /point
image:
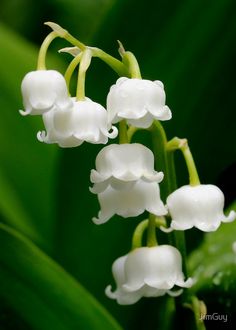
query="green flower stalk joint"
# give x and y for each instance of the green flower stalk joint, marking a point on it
(125, 179)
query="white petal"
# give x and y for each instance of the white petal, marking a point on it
(231, 217)
(125, 162)
(166, 230)
(185, 284)
(130, 202)
(175, 293)
(162, 113)
(143, 122)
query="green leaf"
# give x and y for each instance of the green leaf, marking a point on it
(42, 292)
(24, 161)
(13, 213)
(213, 266)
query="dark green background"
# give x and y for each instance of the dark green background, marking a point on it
(190, 46)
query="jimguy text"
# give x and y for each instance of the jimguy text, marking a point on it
(214, 317)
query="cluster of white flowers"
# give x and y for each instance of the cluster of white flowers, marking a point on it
(126, 182)
(68, 122)
(125, 179)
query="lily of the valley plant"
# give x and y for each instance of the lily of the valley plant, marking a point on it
(125, 179)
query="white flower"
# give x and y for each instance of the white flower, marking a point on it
(83, 121)
(138, 101)
(197, 206)
(120, 165)
(42, 91)
(130, 202)
(147, 272)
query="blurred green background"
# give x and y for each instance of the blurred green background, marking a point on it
(190, 46)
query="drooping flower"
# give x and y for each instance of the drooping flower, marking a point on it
(198, 206)
(44, 90)
(121, 165)
(130, 202)
(138, 101)
(147, 272)
(83, 121)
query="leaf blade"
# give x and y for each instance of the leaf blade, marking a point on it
(49, 282)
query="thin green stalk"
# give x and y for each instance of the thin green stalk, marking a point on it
(165, 162)
(84, 65)
(123, 136)
(131, 62)
(131, 131)
(71, 68)
(192, 170)
(62, 33)
(138, 234)
(182, 144)
(41, 64)
(115, 64)
(151, 231)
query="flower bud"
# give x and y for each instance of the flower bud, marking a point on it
(130, 202)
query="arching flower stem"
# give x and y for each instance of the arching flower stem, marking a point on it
(130, 62)
(84, 65)
(182, 144)
(62, 33)
(123, 136)
(119, 67)
(41, 64)
(165, 162)
(115, 64)
(138, 234)
(71, 68)
(150, 224)
(131, 131)
(151, 231)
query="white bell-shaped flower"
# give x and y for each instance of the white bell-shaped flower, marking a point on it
(120, 165)
(42, 91)
(130, 202)
(198, 206)
(139, 101)
(83, 121)
(147, 272)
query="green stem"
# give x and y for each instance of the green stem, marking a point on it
(84, 65)
(123, 136)
(165, 162)
(41, 65)
(131, 62)
(131, 131)
(192, 170)
(151, 231)
(138, 234)
(71, 68)
(62, 33)
(75, 41)
(182, 144)
(115, 64)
